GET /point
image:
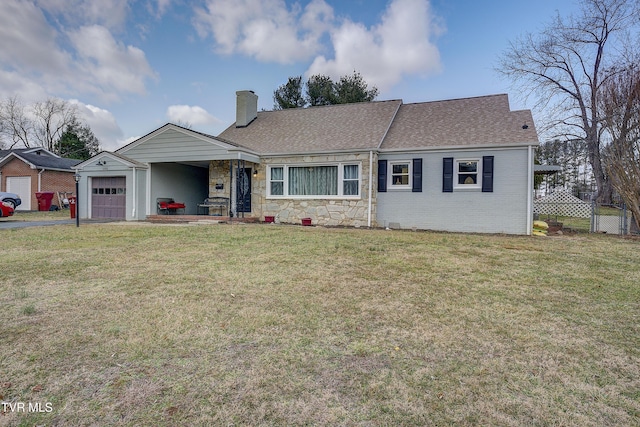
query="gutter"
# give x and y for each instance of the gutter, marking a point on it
(439, 148)
(315, 153)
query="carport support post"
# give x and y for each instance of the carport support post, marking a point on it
(230, 189)
(76, 176)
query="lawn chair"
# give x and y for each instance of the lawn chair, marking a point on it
(168, 206)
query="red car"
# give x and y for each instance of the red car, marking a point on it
(6, 209)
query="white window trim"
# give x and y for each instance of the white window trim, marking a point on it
(390, 184)
(340, 194)
(456, 171)
(269, 181)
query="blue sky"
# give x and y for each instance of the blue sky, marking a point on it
(131, 66)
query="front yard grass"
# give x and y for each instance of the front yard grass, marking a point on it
(135, 325)
(61, 214)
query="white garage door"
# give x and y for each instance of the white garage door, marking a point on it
(21, 185)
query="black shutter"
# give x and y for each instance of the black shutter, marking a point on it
(487, 174)
(382, 176)
(417, 176)
(447, 175)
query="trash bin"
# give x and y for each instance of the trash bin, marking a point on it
(44, 201)
(72, 206)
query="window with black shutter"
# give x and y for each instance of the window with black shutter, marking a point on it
(417, 176)
(487, 174)
(382, 176)
(447, 175)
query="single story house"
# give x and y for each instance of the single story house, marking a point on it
(27, 171)
(456, 165)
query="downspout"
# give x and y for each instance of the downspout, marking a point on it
(40, 180)
(370, 189)
(529, 189)
(133, 193)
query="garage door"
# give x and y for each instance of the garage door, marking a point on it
(21, 185)
(108, 197)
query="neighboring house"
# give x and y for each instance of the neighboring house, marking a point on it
(456, 165)
(27, 171)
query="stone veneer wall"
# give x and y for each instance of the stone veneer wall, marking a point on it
(219, 169)
(330, 212)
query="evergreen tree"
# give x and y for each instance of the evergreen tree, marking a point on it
(289, 95)
(322, 90)
(353, 88)
(77, 142)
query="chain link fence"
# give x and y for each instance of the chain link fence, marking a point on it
(562, 211)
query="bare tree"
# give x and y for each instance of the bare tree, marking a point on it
(15, 126)
(40, 125)
(571, 154)
(51, 117)
(566, 66)
(620, 104)
(185, 124)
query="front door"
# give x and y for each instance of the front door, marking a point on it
(243, 190)
(108, 197)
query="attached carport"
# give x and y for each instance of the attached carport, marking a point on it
(170, 162)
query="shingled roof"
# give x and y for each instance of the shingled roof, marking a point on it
(479, 121)
(387, 125)
(316, 129)
(39, 158)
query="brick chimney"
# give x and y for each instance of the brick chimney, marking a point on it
(246, 107)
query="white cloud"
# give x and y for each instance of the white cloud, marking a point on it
(14, 83)
(265, 29)
(102, 123)
(113, 67)
(270, 31)
(400, 45)
(193, 115)
(161, 7)
(45, 61)
(28, 42)
(108, 13)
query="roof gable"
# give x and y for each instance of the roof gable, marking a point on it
(104, 157)
(38, 158)
(171, 143)
(170, 127)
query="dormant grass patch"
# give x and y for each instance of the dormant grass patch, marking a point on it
(131, 325)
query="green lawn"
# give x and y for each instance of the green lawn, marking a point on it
(136, 325)
(62, 214)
